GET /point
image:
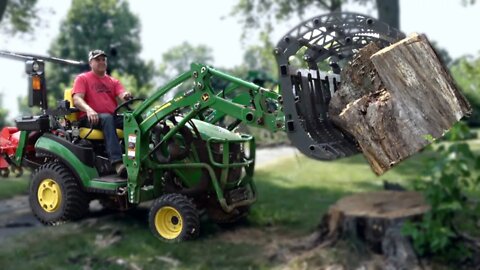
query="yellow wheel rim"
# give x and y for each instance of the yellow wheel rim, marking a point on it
(49, 195)
(168, 222)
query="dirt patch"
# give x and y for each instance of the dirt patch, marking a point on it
(256, 236)
(15, 217)
(285, 250)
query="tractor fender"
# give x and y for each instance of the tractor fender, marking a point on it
(79, 159)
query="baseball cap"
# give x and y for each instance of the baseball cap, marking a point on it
(95, 53)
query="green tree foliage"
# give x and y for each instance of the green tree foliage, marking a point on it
(468, 2)
(255, 14)
(466, 72)
(131, 84)
(260, 14)
(177, 60)
(450, 185)
(18, 16)
(3, 113)
(108, 25)
(260, 57)
(3, 116)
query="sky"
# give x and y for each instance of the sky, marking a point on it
(168, 24)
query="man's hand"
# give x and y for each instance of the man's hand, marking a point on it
(92, 116)
(127, 96)
(80, 103)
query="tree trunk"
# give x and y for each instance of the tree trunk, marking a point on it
(375, 219)
(3, 7)
(336, 6)
(395, 100)
(389, 12)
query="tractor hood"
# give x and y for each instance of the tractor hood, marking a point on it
(208, 131)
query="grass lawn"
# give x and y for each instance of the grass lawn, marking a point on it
(296, 192)
(293, 195)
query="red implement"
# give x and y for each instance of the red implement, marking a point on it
(9, 137)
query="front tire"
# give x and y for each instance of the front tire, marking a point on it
(174, 218)
(55, 195)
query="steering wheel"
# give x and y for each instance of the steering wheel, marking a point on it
(127, 104)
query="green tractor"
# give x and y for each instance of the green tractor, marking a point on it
(179, 153)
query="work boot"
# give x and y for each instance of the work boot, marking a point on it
(121, 169)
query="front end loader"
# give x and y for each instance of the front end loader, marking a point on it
(180, 152)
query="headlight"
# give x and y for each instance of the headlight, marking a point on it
(35, 66)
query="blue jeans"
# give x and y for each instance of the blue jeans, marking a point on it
(108, 123)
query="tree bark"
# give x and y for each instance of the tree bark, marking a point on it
(395, 100)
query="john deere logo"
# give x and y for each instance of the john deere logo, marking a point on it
(205, 97)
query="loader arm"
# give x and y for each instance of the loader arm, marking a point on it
(251, 104)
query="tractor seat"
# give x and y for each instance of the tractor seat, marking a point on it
(96, 134)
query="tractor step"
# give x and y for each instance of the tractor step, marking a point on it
(109, 184)
(112, 178)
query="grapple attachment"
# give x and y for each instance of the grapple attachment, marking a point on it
(325, 42)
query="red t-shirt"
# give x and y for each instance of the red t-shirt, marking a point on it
(100, 92)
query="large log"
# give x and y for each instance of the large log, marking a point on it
(359, 79)
(394, 100)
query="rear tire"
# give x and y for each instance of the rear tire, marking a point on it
(174, 218)
(56, 196)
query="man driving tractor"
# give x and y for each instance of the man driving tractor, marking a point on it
(95, 94)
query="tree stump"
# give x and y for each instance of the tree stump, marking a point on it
(375, 219)
(394, 100)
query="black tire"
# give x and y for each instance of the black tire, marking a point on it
(56, 196)
(174, 218)
(18, 171)
(4, 172)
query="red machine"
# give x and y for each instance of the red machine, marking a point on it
(9, 137)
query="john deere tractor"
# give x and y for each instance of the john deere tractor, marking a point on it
(178, 151)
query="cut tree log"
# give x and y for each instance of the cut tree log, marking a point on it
(375, 219)
(395, 100)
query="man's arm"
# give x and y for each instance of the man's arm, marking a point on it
(120, 93)
(79, 102)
